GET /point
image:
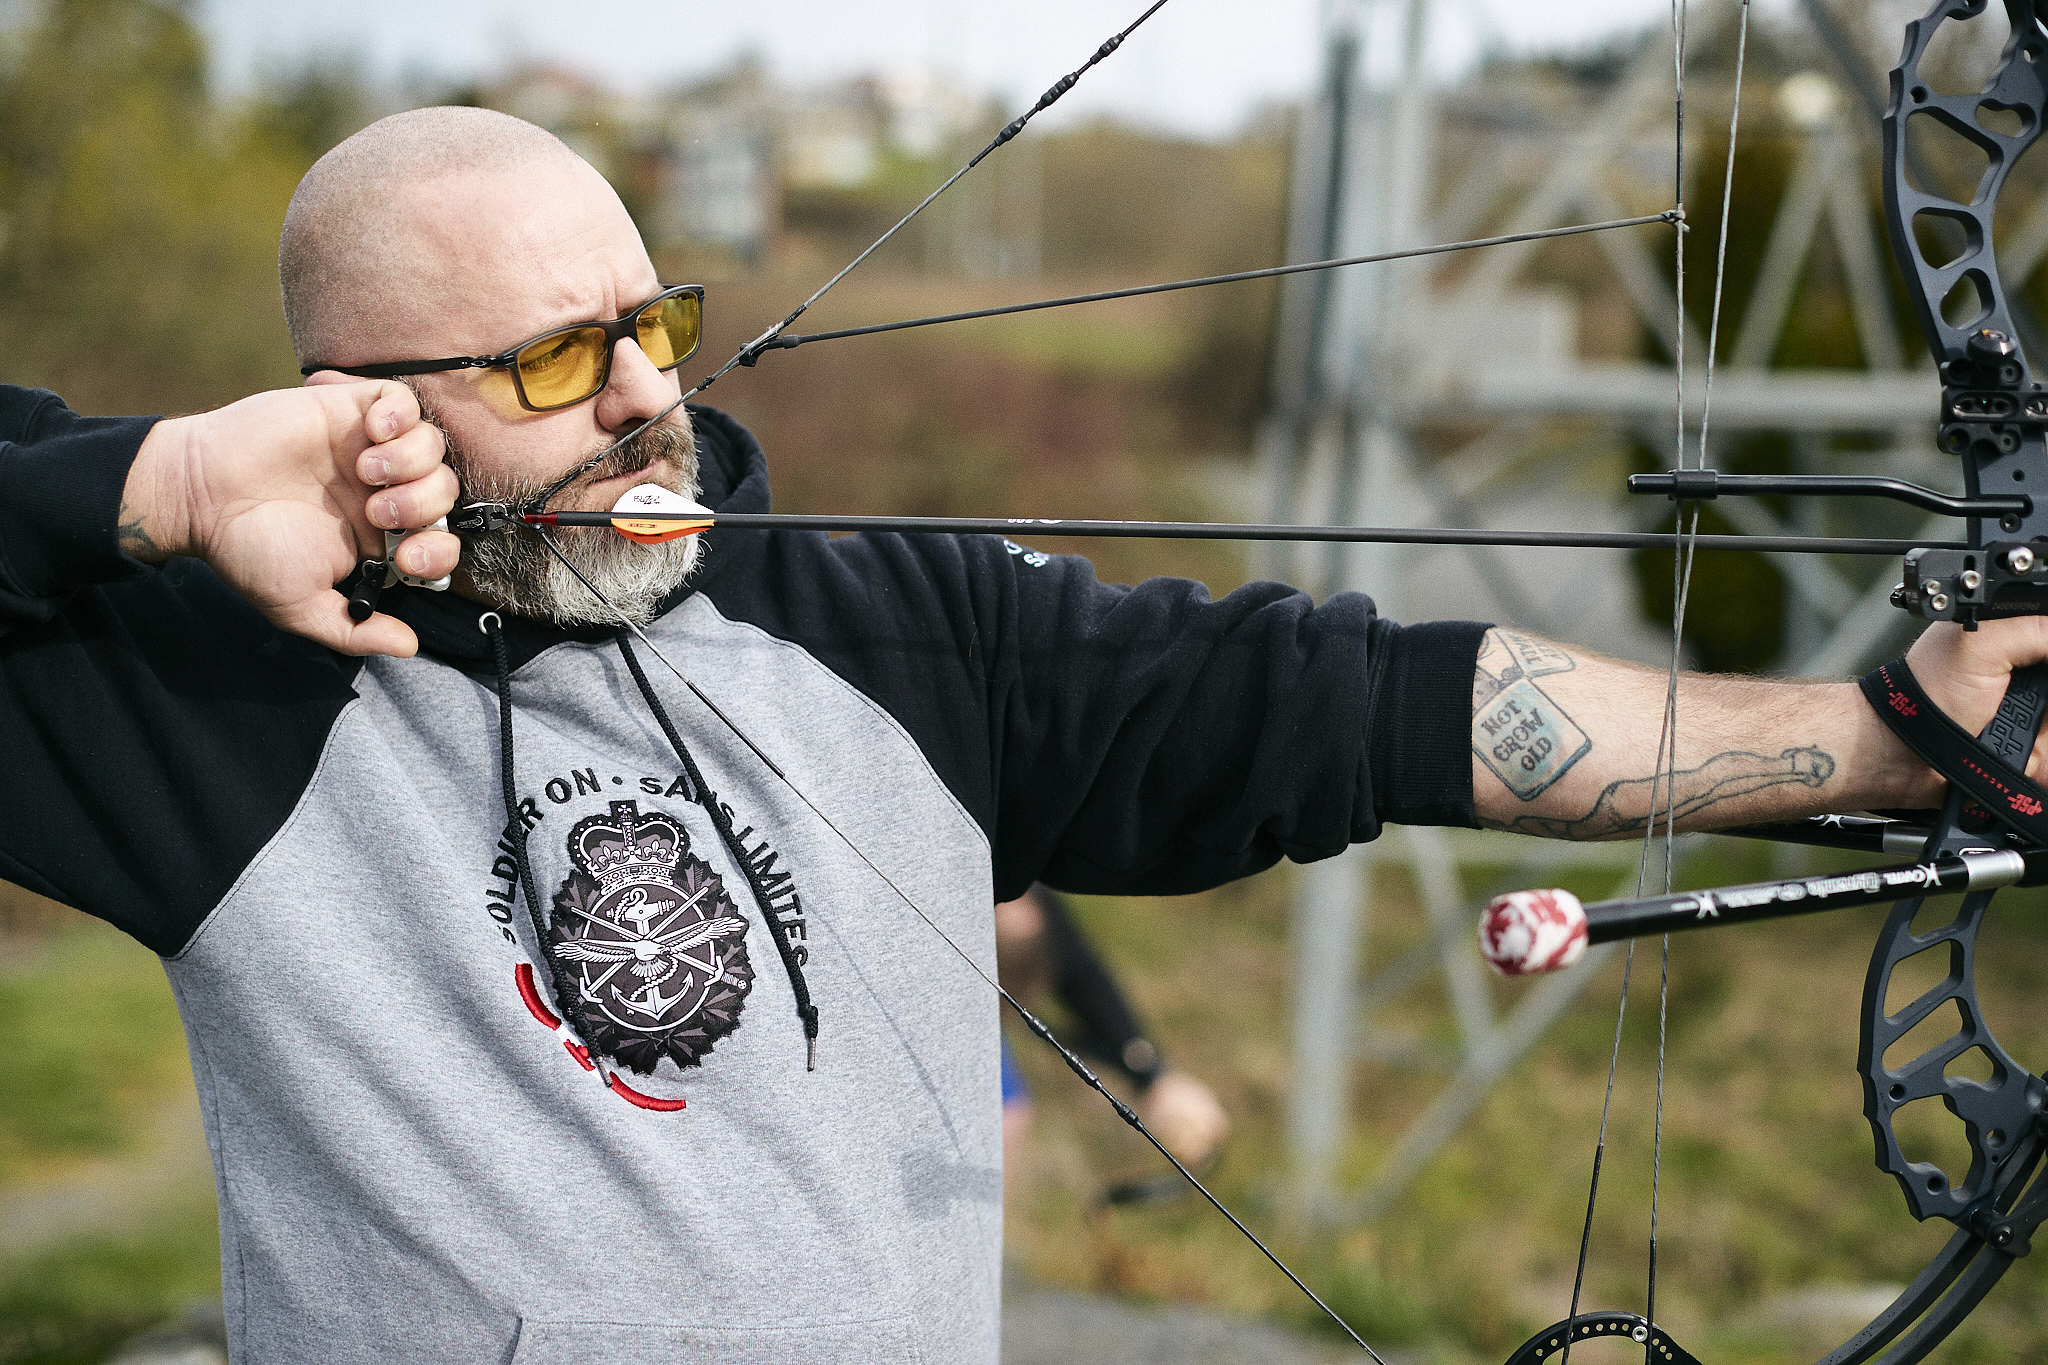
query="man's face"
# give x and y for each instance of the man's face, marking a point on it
(489, 261)
(495, 259)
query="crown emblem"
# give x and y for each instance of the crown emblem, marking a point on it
(627, 846)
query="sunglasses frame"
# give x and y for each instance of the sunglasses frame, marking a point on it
(615, 330)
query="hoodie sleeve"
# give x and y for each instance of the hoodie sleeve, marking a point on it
(1155, 741)
(156, 729)
(61, 477)
(1126, 739)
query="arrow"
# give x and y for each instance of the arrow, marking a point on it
(479, 516)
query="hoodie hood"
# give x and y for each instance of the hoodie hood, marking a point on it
(733, 473)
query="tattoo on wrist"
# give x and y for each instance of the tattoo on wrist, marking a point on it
(1627, 806)
(1522, 736)
(135, 542)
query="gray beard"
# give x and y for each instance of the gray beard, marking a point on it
(514, 571)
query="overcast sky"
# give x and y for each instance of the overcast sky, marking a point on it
(1199, 66)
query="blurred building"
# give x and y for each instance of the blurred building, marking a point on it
(711, 165)
(708, 157)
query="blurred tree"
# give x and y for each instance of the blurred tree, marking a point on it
(306, 111)
(139, 239)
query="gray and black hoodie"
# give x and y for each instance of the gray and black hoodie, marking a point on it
(418, 1155)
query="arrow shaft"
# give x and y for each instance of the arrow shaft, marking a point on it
(1206, 530)
(1610, 921)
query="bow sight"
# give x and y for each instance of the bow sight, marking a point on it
(1993, 417)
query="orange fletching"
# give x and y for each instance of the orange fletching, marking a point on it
(656, 532)
(649, 497)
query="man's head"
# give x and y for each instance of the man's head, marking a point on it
(456, 231)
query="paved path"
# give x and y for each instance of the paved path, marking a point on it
(1060, 1327)
(1040, 1327)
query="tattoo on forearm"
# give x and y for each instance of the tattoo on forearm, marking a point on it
(1627, 806)
(134, 541)
(1521, 735)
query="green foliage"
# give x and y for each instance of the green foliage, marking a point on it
(304, 113)
(139, 238)
(91, 1033)
(73, 1305)
(95, 1052)
(1385, 1312)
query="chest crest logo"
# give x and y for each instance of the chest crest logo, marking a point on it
(652, 948)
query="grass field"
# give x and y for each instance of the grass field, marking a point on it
(1774, 1223)
(1776, 1230)
(106, 1202)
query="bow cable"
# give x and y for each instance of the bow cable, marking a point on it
(533, 512)
(1683, 570)
(747, 354)
(772, 339)
(1036, 1025)
(1031, 1021)
(1015, 126)
(1664, 770)
(1672, 216)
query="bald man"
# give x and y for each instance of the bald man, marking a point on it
(547, 1007)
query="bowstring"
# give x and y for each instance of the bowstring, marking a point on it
(1683, 593)
(1031, 1021)
(1665, 769)
(1676, 216)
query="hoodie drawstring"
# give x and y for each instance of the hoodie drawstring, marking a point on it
(493, 627)
(705, 797)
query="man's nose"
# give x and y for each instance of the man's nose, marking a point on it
(635, 391)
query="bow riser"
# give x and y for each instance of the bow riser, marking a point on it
(1994, 418)
(1998, 1113)
(1994, 415)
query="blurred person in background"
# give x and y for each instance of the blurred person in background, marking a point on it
(1041, 951)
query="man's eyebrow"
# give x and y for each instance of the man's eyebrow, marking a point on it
(570, 315)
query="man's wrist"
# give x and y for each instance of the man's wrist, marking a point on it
(151, 525)
(1895, 777)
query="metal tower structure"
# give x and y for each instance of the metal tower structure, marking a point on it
(1457, 393)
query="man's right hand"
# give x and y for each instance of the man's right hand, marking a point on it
(284, 493)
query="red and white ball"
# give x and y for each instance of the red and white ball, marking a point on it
(1527, 932)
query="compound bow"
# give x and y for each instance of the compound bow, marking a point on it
(1994, 418)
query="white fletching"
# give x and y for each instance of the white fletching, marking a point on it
(652, 497)
(1527, 932)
